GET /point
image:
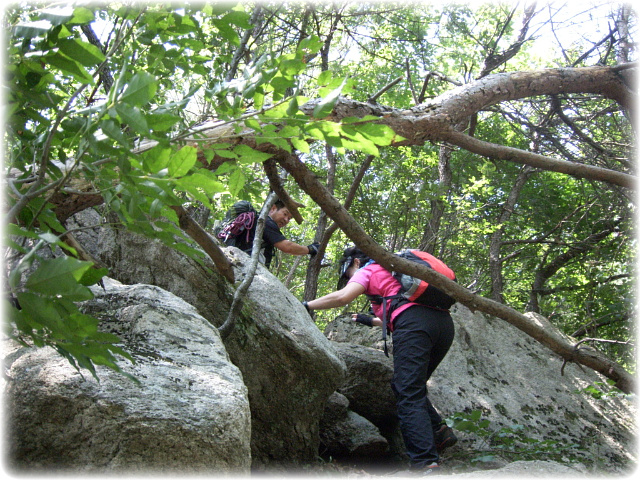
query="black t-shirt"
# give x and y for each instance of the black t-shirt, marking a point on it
(270, 236)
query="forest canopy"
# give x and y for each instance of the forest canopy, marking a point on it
(497, 136)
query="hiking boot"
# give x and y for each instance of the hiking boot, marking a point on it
(444, 438)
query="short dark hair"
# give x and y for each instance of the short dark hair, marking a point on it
(279, 204)
(348, 256)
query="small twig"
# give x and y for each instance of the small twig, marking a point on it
(227, 327)
(375, 97)
(413, 93)
(601, 340)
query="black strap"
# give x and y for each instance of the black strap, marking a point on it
(396, 301)
(384, 326)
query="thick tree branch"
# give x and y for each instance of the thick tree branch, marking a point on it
(276, 185)
(473, 97)
(500, 152)
(203, 239)
(434, 121)
(534, 325)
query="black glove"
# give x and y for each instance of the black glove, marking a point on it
(306, 305)
(313, 248)
(364, 319)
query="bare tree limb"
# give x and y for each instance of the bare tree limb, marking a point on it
(495, 260)
(373, 98)
(276, 185)
(501, 152)
(547, 271)
(255, 20)
(203, 239)
(350, 195)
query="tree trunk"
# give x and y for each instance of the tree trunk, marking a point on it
(495, 260)
(430, 235)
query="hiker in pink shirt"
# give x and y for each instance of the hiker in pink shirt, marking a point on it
(421, 338)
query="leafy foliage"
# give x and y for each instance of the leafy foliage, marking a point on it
(511, 443)
(119, 112)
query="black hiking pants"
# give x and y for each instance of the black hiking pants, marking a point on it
(421, 339)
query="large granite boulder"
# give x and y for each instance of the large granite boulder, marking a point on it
(188, 412)
(288, 366)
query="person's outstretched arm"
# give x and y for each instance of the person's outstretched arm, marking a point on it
(338, 298)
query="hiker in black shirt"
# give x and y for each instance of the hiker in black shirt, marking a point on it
(279, 217)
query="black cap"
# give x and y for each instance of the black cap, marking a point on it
(348, 256)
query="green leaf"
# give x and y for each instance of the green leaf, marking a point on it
(156, 159)
(140, 89)
(82, 52)
(253, 123)
(60, 276)
(225, 154)
(325, 106)
(360, 144)
(227, 32)
(162, 122)
(238, 18)
(310, 45)
(112, 129)
(475, 415)
(182, 161)
(247, 154)
(280, 84)
(82, 16)
(133, 117)
(93, 276)
(379, 134)
(291, 67)
(324, 78)
(300, 144)
(68, 66)
(38, 311)
(202, 185)
(293, 107)
(237, 180)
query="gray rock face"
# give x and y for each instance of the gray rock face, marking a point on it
(289, 367)
(369, 375)
(344, 433)
(531, 469)
(512, 379)
(189, 413)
